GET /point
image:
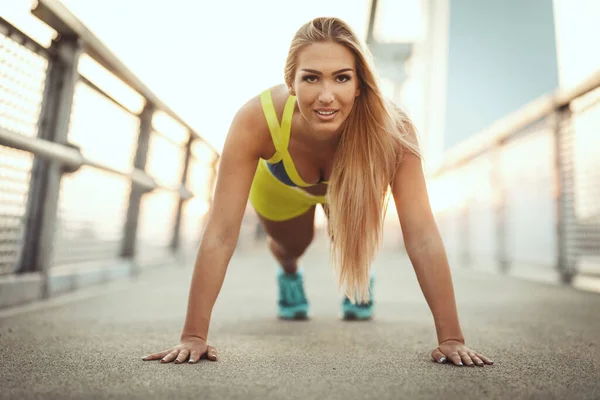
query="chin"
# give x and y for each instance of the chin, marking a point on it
(326, 128)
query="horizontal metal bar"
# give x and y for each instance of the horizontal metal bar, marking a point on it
(18, 36)
(509, 126)
(65, 155)
(63, 21)
(183, 192)
(137, 176)
(95, 87)
(73, 159)
(566, 96)
(76, 247)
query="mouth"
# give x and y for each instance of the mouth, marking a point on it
(326, 115)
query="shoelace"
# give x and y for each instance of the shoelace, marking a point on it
(292, 291)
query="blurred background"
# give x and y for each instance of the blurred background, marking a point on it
(113, 115)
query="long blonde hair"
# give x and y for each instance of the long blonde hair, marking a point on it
(374, 136)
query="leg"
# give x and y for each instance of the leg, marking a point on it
(288, 240)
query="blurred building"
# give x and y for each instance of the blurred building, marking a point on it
(506, 98)
(467, 64)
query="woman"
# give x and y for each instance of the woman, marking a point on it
(338, 143)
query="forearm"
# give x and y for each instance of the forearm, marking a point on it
(433, 274)
(207, 280)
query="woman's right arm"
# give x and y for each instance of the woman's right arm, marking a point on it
(241, 152)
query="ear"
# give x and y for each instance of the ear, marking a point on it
(291, 90)
(357, 93)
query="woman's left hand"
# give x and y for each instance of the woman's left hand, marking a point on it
(459, 354)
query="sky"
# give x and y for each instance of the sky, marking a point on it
(207, 58)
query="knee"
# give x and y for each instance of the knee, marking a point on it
(290, 249)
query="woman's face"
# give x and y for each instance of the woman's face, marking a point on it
(326, 85)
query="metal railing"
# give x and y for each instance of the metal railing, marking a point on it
(85, 176)
(526, 192)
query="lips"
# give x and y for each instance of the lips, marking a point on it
(326, 114)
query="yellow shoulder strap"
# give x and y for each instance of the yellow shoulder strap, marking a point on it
(286, 121)
(286, 129)
(271, 116)
(281, 134)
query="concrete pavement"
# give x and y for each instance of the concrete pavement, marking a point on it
(544, 339)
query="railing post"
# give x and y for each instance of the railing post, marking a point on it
(55, 115)
(563, 194)
(136, 193)
(176, 238)
(499, 204)
(371, 26)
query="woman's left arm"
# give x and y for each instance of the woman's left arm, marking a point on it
(426, 251)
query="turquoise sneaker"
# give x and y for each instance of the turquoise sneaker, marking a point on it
(359, 312)
(292, 299)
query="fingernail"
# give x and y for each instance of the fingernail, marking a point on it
(471, 364)
(460, 363)
(442, 360)
(191, 361)
(143, 358)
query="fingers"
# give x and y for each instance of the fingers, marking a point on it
(170, 357)
(459, 355)
(194, 357)
(484, 359)
(456, 359)
(476, 359)
(466, 359)
(183, 356)
(438, 356)
(211, 353)
(156, 356)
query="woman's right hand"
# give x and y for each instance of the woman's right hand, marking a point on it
(190, 348)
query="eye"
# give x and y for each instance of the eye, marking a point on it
(310, 78)
(343, 78)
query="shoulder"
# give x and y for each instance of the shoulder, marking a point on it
(252, 111)
(280, 95)
(250, 120)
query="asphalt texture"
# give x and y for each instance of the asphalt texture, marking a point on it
(543, 338)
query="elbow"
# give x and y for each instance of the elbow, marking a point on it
(220, 237)
(414, 247)
(417, 244)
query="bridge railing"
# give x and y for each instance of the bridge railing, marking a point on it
(97, 175)
(523, 197)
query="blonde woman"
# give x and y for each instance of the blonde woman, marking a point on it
(325, 137)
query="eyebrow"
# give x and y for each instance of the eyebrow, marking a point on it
(314, 71)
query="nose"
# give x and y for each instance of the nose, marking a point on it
(326, 94)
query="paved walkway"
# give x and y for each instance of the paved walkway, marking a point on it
(544, 340)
